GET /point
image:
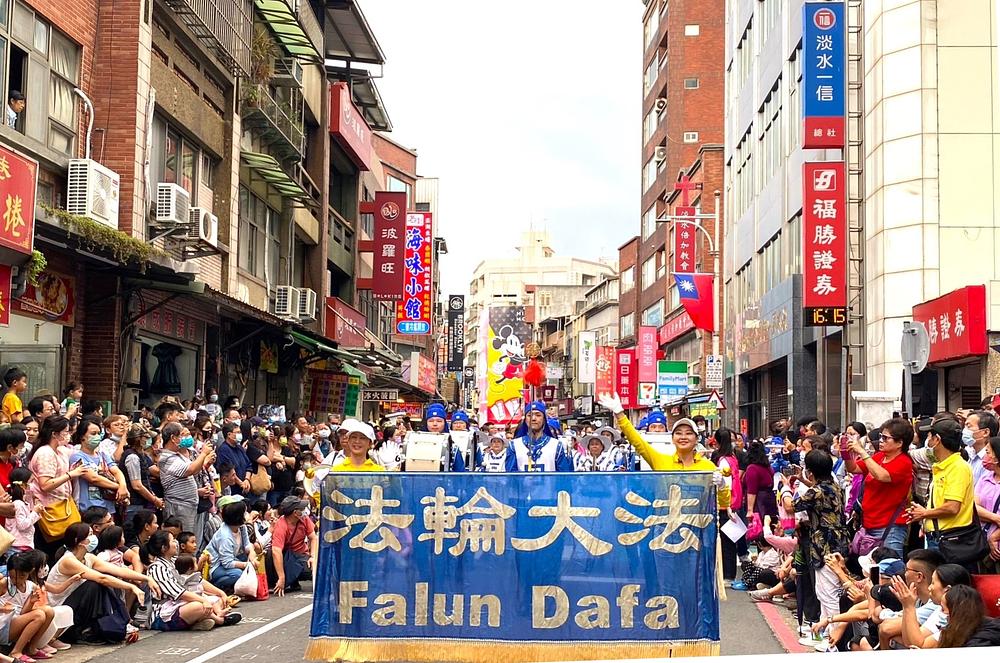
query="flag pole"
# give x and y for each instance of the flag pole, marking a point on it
(717, 285)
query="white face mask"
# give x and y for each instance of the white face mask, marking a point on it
(91, 543)
(324, 433)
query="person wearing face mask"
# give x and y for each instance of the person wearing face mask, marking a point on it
(113, 444)
(232, 452)
(988, 502)
(212, 407)
(11, 441)
(103, 484)
(979, 428)
(177, 476)
(136, 466)
(324, 444)
(952, 500)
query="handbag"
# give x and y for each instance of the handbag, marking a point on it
(263, 590)
(755, 528)
(246, 585)
(962, 545)
(56, 519)
(260, 482)
(863, 542)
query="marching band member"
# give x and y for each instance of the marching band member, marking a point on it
(600, 455)
(471, 457)
(656, 422)
(536, 445)
(451, 460)
(498, 457)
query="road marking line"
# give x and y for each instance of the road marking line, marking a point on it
(786, 637)
(222, 649)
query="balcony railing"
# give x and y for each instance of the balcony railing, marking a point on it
(224, 26)
(280, 123)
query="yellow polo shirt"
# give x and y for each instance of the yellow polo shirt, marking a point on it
(951, 480)
(12, 406)
(671, 463)
(347, 466)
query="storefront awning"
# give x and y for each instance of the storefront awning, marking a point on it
(347, 35)
(286, 27)
(318, 347)
(268, 169)
(355, 373)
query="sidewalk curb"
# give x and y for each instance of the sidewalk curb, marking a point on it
(785, 635)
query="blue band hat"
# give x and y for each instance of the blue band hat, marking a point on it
(460, 416)
(656, 417)
(643, 423)
(536, 406)
(555, 425)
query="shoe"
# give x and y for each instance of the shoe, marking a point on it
(811, 640)
(825, 647)
(59, 645)
(760, 596)
(204, 625)
(761, 585)
(232, 619)
(41, 655)
(739, 586)
(50, 650)
(777, 599)
(23, 658)
(294, 587)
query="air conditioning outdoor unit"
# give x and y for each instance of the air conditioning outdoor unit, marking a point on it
(307, 305)
(204, 226)
(287, 72)
(286, 302)
(93, 191)
(173, 204)
(661, 104)
(660, 154)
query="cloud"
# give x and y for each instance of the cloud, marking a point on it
(529, 112)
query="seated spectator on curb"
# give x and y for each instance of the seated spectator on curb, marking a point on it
(230, 549)
(27, 621)
(293, 542)
(927, 636)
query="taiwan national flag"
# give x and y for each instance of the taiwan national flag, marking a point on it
(697, 296)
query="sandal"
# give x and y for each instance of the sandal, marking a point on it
(234, 601)
(40, 655)
(24, 658)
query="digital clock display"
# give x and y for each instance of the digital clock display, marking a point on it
(825, 316)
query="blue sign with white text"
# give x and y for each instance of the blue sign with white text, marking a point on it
(824, 69)
(516, 567)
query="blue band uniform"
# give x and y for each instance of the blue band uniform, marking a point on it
(516, 567)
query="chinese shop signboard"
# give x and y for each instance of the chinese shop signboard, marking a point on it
(646, 354)
(18, 181)
(627, 378)
(824, 52)
(605, 367)
(390, 231)
(955, 323)
(414, 312)
(824, 238)
(684, 249)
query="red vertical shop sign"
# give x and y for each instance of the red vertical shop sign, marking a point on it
(684, 250)
(5, 290)
(390, 231)
(824, 235)
(626, 378)
(646, 354)
(18, 182)
(413, 313)
(605, 370)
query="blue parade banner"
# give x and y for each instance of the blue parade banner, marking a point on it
(824, 74)
(516, 567)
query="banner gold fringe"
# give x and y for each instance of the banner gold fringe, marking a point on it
(438, 650)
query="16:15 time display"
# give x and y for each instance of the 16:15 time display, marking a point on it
(825, 316)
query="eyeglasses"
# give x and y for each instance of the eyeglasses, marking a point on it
(886, 437)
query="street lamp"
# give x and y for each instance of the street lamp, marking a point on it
(713, 248)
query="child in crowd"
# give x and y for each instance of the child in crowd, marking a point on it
(194, 582)
(173, 525)
(762, 572)
(28, 620)
(73, 395)
(22, 525)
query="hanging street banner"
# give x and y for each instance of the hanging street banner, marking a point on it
(456, 332)
(503, 335)
(586, 363)
(646, 354)
(390, 229)
(684, 248)
(671, 380)
(18, 184)
(627, 377)
(414, 313)
(824, 236)
(466, 568)
(824, 74)
(605, 381)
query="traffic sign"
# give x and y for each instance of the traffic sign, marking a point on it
(915, 347)
(714, 373)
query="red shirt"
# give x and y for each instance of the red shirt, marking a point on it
(294, 538)
(5, 470)
(881, 500)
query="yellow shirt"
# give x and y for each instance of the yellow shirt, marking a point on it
(671, 463)
(347, 466)
(951, 481)
(12, 406)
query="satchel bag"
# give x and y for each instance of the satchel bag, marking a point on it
(56, 519)
(962, 545)
(863, 542)
(260, 482)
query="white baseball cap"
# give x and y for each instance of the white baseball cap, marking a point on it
(355, 426)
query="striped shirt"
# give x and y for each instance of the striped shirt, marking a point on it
(178, 488)
(171, 588)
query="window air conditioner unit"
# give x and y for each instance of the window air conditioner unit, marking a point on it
(286, 302)
(661, 104)
(173, 204)
(307, 305)
(204, 226)
(660, 154)
(93, 191)
(287, 72)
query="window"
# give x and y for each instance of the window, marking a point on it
(628, 279)
(545, 299)
(398, 185)
(259, 243)
(649, 125)
(690, 136)
(44, 65)
(627, 325)
(692, 30)
(650, 28)
(649, 273)
(793, 117)
(649, 223)
(690, 83)
(176, 159)
(653, 316)
(649, 174)
(651, 71)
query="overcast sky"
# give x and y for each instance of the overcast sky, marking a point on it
(529, 112)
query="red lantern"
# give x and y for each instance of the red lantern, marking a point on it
(534, 373)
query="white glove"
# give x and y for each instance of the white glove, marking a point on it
(718, 479)
(612, 403)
